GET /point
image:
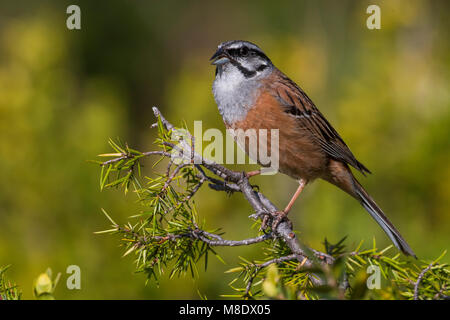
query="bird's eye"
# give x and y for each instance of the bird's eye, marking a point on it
(244, 51)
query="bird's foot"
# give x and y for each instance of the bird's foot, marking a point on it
(264, 222)
(277, 217)
(280, 216)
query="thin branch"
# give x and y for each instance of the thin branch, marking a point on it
(125, 156)
(440, 293)
(259, 267)
(419, 279)
(231, 243)
(257, 200)
(233, 181)
(166, 123)
(195, 234)
(292, 256)
(172, 176)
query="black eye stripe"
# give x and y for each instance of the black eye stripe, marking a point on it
(261, 67)
(233, 52)
(245, 51)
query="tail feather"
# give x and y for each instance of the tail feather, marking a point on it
(369, 204)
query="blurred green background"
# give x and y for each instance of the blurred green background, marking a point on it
(64, 93)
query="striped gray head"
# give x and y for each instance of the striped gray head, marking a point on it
(243, 57)
(240, 65)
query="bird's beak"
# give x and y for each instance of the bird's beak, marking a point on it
(219, 58)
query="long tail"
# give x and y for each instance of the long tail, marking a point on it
(369, 204)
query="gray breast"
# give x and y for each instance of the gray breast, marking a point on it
(234, 95)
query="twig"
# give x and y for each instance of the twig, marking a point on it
(277, 260)
(231, 243)
(195, 234)
(261, 205)
(440, 293)
(125, 156)
(419, 278)
(229, 181)
(260, 266)
(166, 123)
(257, 200)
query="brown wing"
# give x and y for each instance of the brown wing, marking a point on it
(296, 103)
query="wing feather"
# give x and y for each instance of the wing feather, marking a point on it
(296, 103)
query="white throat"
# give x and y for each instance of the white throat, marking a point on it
(234, 93)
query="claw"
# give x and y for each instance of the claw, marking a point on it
(280, 216)
(264, 222)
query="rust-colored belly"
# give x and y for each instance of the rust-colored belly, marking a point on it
(299, 155)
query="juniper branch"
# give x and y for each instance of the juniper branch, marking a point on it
(207, 237)
(419, 279)
(257, 200)
(170, 232)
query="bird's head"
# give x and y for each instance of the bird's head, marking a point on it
(243, 57)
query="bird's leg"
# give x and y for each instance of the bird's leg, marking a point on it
(283, 214)
(252, 173)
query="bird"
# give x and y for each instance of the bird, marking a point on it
(251, 93)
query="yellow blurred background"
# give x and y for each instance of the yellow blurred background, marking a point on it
(64, 93)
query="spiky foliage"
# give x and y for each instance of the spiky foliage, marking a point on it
(8, 289)
(359, 274)
(43, 287)
(167, 235)
(167, 231)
